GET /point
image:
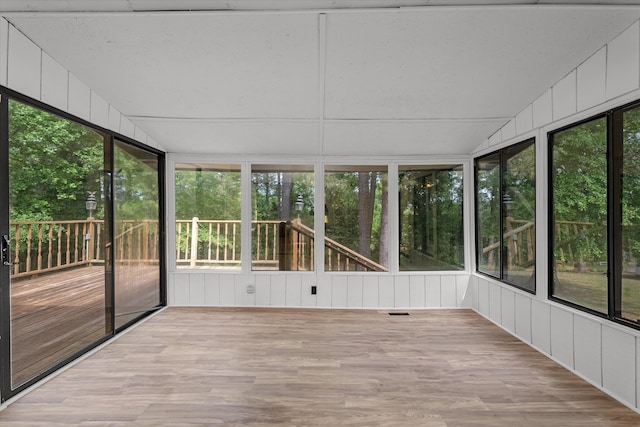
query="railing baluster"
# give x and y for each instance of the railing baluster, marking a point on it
(145, 240)
(59, 246)
(226, 234)
(194, 241)
(235, 230)
(178, 235)
(274, 249)
(187, 242)
(28, 266)
(75, 245)
(39, 261)
(98, 240)
(258, 235)
(16, 261)
(130, 243)
(83, 241)
(218, 241)
(312, 253)
(50, 254)
(209, 242)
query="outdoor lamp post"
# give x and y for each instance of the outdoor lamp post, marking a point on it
(91, 203)
(508, 203)
(299, 204)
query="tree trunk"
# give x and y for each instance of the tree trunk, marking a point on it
(384, 222)
(279, 212)
(287, 185)
(367, 191)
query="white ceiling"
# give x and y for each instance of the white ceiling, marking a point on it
(421, 80)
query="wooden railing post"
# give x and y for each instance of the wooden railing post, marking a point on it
(194, 241)
(90, 241)
(282, 246)
(295, 247)
(510, 243)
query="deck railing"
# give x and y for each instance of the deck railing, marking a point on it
(44, 246)
(276, 245)
(520, 238)
(207, 242)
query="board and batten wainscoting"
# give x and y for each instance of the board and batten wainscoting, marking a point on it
(333, 290)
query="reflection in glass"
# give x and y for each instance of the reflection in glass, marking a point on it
(431, 223)
(579, 185)
(282, 217)
(488, 214)
(208, 216)
(519, 210)
(356, 225)
(57, 215)
(137, 232)
(630, 292)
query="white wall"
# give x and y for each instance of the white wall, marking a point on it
(27, 69)
(602, 352)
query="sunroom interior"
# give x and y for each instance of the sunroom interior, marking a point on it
(248, 131)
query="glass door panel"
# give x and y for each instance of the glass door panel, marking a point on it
(137, 232)
(57, 248)
(629, 298)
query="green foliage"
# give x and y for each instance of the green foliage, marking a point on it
(342, 198)
(53, 162)
(208, 194)
(135, 181)
(580, 173)
(488, 207)
(275, 194)
(431, 223)
(580, 189)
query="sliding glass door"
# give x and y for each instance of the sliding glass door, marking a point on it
(80, 234)
(56, 244)
(137, 232)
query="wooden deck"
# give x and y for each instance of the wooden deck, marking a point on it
(268, 367)
(53, 316)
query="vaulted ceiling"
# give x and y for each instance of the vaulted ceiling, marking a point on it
(318, 77)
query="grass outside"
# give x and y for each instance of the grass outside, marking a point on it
(589, 289)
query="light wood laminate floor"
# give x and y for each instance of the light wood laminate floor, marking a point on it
(277, 367)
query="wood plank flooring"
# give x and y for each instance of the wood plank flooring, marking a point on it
(277, 367)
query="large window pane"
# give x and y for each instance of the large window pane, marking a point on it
(431, 223)
(579, 186)
(57, 214)
(488, 214)
(519, 210)
(137, 232)
(630, 227)
(282, 217)
(356, 226)
(208, 216)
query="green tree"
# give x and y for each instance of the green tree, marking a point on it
(53, 162)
